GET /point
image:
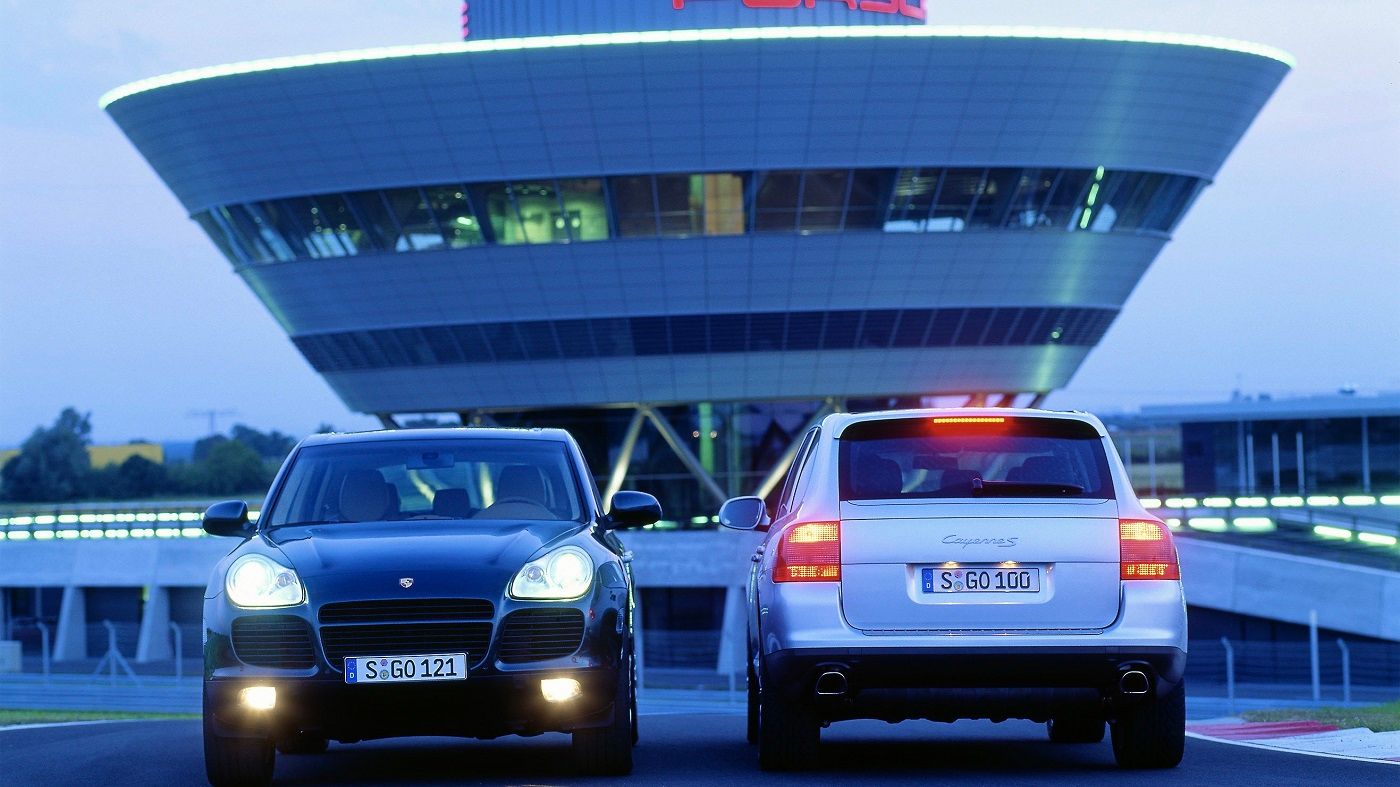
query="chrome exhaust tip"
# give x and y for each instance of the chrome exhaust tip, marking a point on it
(1134, 682)
(831, 684)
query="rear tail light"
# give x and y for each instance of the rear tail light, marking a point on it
(809, 552)
(1145, 550)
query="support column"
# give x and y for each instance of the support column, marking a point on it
(153, 643)
(4, 613)
(624, 456)
(686, 456)
(70, 641)
(1038, 399)
(733, 633)
(976, 400)
(387, 421)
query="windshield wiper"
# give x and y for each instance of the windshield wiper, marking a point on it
(981, 488)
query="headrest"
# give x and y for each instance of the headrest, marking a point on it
(452, 502)
(957, 480)
(364, 496)
(1042, 470)
(878, 477)
(521, 482)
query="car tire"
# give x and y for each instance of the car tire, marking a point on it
(302, 743)
(1072, 729)
(789, 735)
(607, 751)
(236, 762)
(1153, 734)
(751, 733)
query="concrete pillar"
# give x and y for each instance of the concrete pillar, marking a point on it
(153, 643)
(70, 641)
(4, 613)
(733, 646)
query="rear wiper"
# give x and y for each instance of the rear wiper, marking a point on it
(981, 488)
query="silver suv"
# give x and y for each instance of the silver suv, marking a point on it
(955, 564)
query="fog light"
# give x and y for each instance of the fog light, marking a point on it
(258, 697)
(559, 689)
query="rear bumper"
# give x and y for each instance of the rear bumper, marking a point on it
(960, 682)
(478, 707)
(967, 674)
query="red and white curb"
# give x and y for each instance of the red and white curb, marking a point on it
(1303, 737)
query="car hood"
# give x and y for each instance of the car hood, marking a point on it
(443, 558)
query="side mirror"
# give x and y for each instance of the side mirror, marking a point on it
(745, 513)
(633, 509)
(229, 518)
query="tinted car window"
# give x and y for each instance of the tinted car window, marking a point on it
(429, 479)
(940, 458)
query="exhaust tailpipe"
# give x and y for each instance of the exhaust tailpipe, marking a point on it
(831, 684)
(1134, 682)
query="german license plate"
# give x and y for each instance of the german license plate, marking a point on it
(981, 580)
(405, 669)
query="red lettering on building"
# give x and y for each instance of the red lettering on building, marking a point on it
(911, 8)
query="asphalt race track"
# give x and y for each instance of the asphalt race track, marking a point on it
(675, 749)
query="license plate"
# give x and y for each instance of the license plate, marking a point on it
(405, 669)
(981, 580)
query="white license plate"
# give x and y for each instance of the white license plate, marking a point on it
(981, 580)
(405, 669)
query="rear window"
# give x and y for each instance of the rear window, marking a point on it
(963, 457)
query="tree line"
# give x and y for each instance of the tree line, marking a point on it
(53, 466)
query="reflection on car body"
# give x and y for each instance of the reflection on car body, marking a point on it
(432, 582)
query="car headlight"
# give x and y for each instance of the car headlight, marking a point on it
(257, 581)
(565, 573)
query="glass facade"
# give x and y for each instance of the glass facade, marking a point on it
(693, 334)
(1301, 456)
(549, 210)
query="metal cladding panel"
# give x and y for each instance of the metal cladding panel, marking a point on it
(698, 106)
(633, 277)
(486, 19)
(700, 378)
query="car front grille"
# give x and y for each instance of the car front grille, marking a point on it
(405, 639)
(277, 641)
(538, 634)
(407, 610)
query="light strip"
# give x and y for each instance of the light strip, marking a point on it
(1377, 539)
(690, 36)
(1327, 531)
(1254, 524)
(1211, 524)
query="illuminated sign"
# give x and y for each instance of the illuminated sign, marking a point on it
(911, 8)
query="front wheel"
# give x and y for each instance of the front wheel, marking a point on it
(236, 762)
(789, 735)
(607, 751)
(1153, 734)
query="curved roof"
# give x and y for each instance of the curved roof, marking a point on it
(679, 36)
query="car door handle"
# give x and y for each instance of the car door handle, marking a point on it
(627, 556)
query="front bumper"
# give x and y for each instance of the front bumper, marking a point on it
(500, 696)
(482, 706)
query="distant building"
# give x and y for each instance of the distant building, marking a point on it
(104, 455)
(1336, 444)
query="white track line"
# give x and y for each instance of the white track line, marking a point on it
(76, 723)
(1267, 747)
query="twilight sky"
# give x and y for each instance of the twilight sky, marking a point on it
(1284, 278)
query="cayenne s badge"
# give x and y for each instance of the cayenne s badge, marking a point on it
(406, 583)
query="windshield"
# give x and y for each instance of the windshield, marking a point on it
(374, 481)
(946, 457)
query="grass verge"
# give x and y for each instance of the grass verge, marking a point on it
(11, 717)
(1378, 718)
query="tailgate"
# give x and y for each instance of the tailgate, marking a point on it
(980, 566)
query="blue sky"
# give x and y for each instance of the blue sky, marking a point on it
(1285, 278)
